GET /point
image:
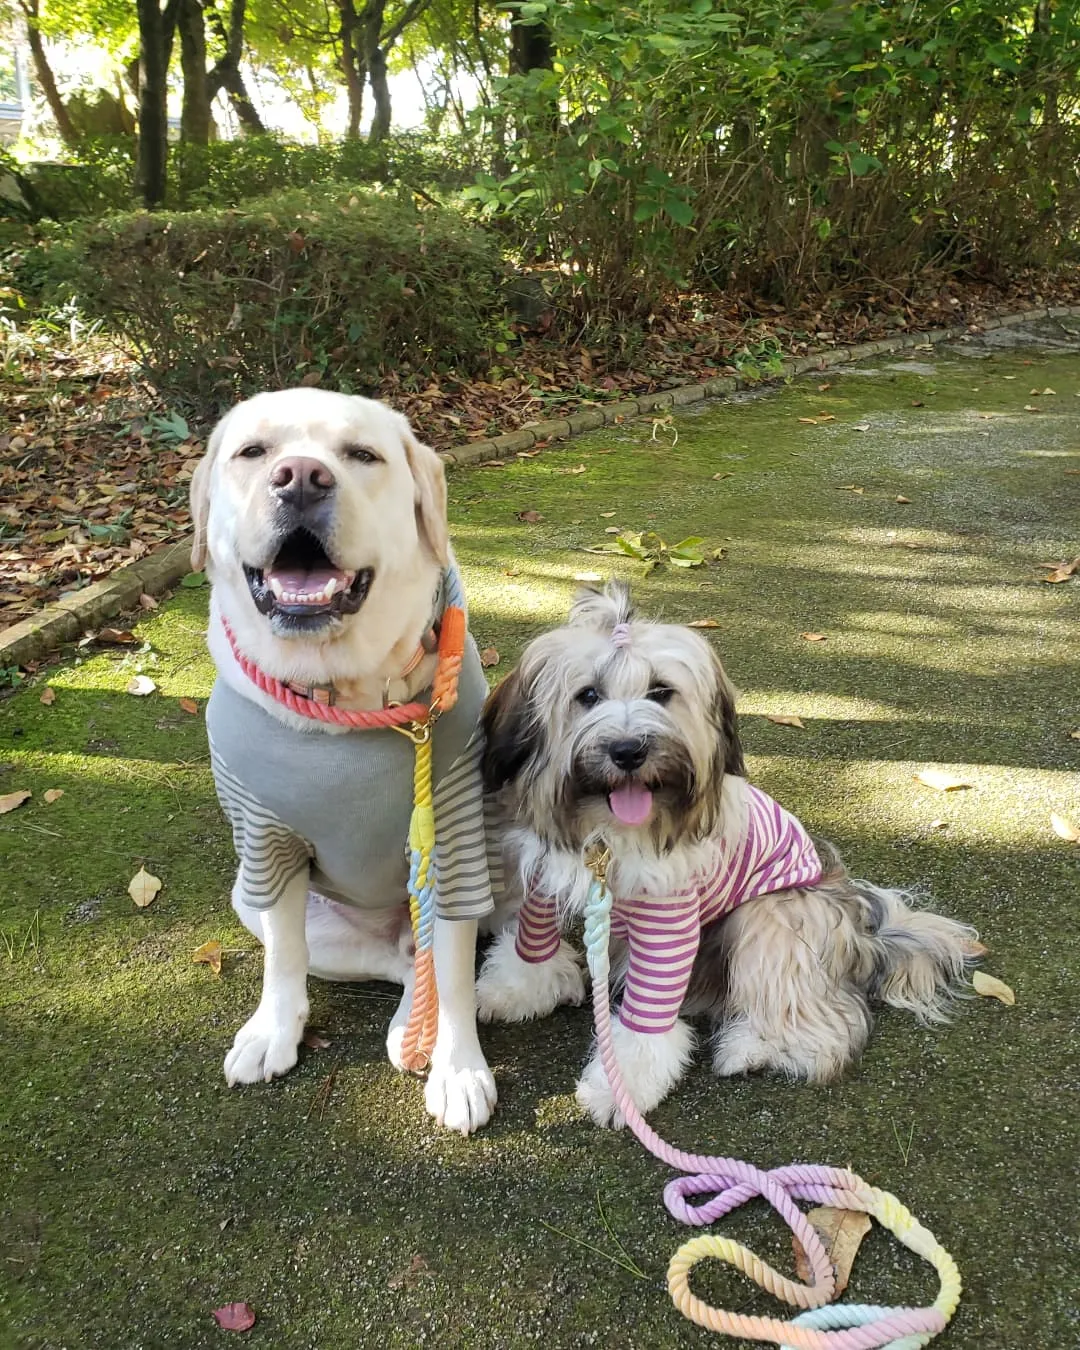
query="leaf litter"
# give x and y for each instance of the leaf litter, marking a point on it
(143, 887)
(942, 780)
(989, 986)
(841, 1232)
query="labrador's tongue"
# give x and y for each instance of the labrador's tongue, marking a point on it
(301, 581)
(632, 805)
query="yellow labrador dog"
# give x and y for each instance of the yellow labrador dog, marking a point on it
(321, 520)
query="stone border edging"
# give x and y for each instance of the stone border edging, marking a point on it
(35, 637)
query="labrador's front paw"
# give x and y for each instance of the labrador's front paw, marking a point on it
(650, 1064)
(266, 1045)
(461, 1096)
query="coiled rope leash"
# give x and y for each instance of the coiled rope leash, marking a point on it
(415, 720)
(731, 1183)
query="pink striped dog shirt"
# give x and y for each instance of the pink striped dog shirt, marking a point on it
(663, 932)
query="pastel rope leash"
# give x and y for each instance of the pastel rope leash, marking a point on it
(731, 1183)
(417, 721)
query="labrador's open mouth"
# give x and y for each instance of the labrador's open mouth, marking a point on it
(303, 581)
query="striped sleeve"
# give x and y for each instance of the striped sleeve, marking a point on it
(270, 853)
(461, 853)
(663, 934)
(787, 858)
(538, 930)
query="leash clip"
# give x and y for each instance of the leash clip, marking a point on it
(598, 860)
(418, 732)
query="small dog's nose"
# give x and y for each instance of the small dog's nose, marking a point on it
(298, 481)
(628, 755)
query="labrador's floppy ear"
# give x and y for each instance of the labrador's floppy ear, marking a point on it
(200, 495)
(430, 479)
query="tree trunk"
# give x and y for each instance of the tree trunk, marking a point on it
(380, 89)
(226, 72)
(64, 125)
(353, 66)
(531, 47)
(155, 47)
(195, 112)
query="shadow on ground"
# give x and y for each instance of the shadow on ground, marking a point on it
(141, 1193)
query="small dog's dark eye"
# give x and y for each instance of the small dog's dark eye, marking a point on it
(360, 454)
(589, 697)
(253, 452)
(660, 693)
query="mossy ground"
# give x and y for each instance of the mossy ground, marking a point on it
(140, 1192)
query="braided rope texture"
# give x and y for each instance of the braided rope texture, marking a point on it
(730, 1183)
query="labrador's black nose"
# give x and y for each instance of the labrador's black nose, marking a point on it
(300, 481)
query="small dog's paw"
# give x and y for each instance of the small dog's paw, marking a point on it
(651, 1063)
(460, 1099)
(395, 1038)
(265, 1047)
(737, 1050)
(512, 990)
(594, 1095)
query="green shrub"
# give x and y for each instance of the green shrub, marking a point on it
(328, 283)
(101, 179)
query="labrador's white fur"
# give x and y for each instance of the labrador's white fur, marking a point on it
(390, 515)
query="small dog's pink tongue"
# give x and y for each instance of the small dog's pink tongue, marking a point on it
(301, 581)
(632, 805)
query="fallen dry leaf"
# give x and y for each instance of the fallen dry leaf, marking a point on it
(1064, 828)
(587, 576)
(809, 421)
(607, 514)
(612, 529)
(851, 487)
(975, 949)
(147, 601)
(822, 387)
(116, 637)
(1030, 407)
(189, 705)
(786, 720)
(530, 517)
(842, 1231)
(942, 780)
(235, 1317)
(489, 657)
(1060, 572)
(406, 1278)
(141, 685)
(990, 987)
(314, 1041)
(1075, 734)
(861, 426)
(10, 800)
(814, 637)
(52, 795)
(718, 476)
(48, 697)
(209, 954)
(903, 501)
(917, 403)
(703, 623)
(143, 887)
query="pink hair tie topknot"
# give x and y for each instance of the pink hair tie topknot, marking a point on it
(620, 635)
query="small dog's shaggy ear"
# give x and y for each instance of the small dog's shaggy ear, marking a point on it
(602, 609)
(726, 721)
(199, 495)
(509, 732)
(429, 475)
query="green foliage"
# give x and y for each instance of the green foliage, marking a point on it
(324, 284)
(789, 147)
(98, 178)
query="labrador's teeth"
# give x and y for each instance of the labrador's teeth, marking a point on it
(277, 588)
(329, 589)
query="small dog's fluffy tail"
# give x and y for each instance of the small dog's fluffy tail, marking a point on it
(921, 958)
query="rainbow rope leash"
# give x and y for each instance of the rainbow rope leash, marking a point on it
(732, 1183)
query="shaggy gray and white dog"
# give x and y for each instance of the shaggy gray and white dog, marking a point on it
(618, 731)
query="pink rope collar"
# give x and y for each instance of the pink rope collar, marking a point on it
(306, 706)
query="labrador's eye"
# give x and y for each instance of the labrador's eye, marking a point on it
(660, 693)
(588, 697)
(252, 452)
(360, 454)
